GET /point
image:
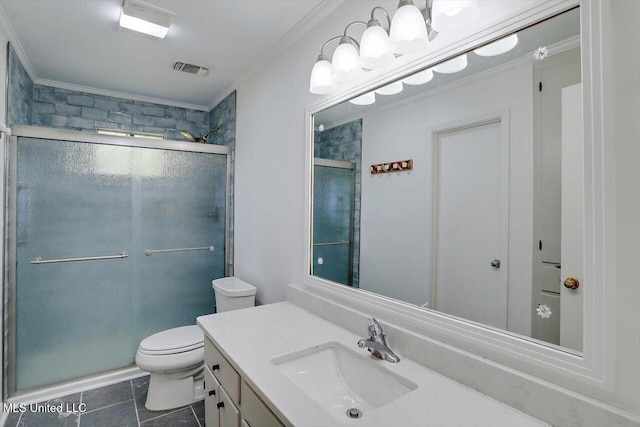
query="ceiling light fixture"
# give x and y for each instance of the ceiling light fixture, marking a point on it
(409, 30)
(145, 18)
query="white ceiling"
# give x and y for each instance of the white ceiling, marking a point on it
(78, 42)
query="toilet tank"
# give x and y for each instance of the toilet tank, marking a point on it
(233, 294)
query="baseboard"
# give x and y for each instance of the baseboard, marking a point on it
(88, 383)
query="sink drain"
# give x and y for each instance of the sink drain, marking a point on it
(354, 413)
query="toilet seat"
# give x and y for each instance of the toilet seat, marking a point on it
(173, 341)
(172, 350)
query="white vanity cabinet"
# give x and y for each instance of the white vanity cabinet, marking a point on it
(229, 400)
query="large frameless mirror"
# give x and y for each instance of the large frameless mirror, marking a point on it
(459, 188)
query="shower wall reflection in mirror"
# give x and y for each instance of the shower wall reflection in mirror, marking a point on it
(487, 226)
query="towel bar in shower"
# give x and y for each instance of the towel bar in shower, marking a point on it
(341, 242)
(39, 260)
(150, 252)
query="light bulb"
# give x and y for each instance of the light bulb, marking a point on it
(408, 30)
(321, 82)
(454, 65)
(498, 47)
(390, 89)
(375, 48)
(346, 62)
(366, 99)
(419, 78)
(453, 14)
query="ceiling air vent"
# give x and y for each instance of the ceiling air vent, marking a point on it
(190, 68)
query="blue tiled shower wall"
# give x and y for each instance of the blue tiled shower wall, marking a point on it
(344, 142)
(47, 106)
(67, 109)
(223, 117)
(19, 109)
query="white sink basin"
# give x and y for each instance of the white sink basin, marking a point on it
(338, 378)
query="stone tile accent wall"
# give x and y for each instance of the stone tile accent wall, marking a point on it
(223, 117)
(67, 109)
(20, 90)
(344, 142)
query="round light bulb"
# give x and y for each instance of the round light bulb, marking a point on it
(375, 48)
(454, 65)
(390, 89)
(420, 78)
(366, 99)
(453, 14)
(408, 30)
(321, 82)
(498, 47)
(346, 63)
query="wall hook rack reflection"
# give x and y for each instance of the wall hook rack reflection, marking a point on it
(399, 166)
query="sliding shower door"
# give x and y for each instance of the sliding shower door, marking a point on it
(73, 200)
(333, 205)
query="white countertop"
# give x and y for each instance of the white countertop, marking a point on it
(251, 338)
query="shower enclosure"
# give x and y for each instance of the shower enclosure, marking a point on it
(333, 211)
(109, 240)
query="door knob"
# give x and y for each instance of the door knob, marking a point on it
(572, 283)
(495, 263)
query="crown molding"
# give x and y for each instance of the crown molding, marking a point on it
(7, 29)
(309, 21)
(117, 94)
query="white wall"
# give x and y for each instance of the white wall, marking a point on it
(270, 174)
(396, 231)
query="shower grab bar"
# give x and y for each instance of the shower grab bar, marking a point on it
(150, 252)
(341, 242)
(39, 260)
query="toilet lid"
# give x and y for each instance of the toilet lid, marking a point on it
(174, 340)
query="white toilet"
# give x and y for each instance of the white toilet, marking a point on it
(175, 357)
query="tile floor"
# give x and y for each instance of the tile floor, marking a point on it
(117, 405)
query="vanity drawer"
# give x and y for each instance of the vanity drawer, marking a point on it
(229, 414)
(211, 398)
(254, 411)
(223, 371)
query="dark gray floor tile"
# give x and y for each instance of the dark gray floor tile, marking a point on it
(49, 419)
(35, 415)
(12, 419)
(106, 396)
(119, 415)
(140, 387)
(182, 418)
(198, 408)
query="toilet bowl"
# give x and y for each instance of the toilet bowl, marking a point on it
(175, 357)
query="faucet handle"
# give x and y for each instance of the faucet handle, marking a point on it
(375, 330)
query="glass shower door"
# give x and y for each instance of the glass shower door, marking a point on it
(180, 204)
(77, 199)
(333, 203)
(72, 318)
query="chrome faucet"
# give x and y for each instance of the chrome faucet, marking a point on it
(376, 344)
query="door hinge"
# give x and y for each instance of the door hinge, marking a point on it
(539, 245)
(540, 86)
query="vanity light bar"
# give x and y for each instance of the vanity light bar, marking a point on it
(399, 166)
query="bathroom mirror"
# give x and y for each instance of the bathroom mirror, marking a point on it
(459, 188)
